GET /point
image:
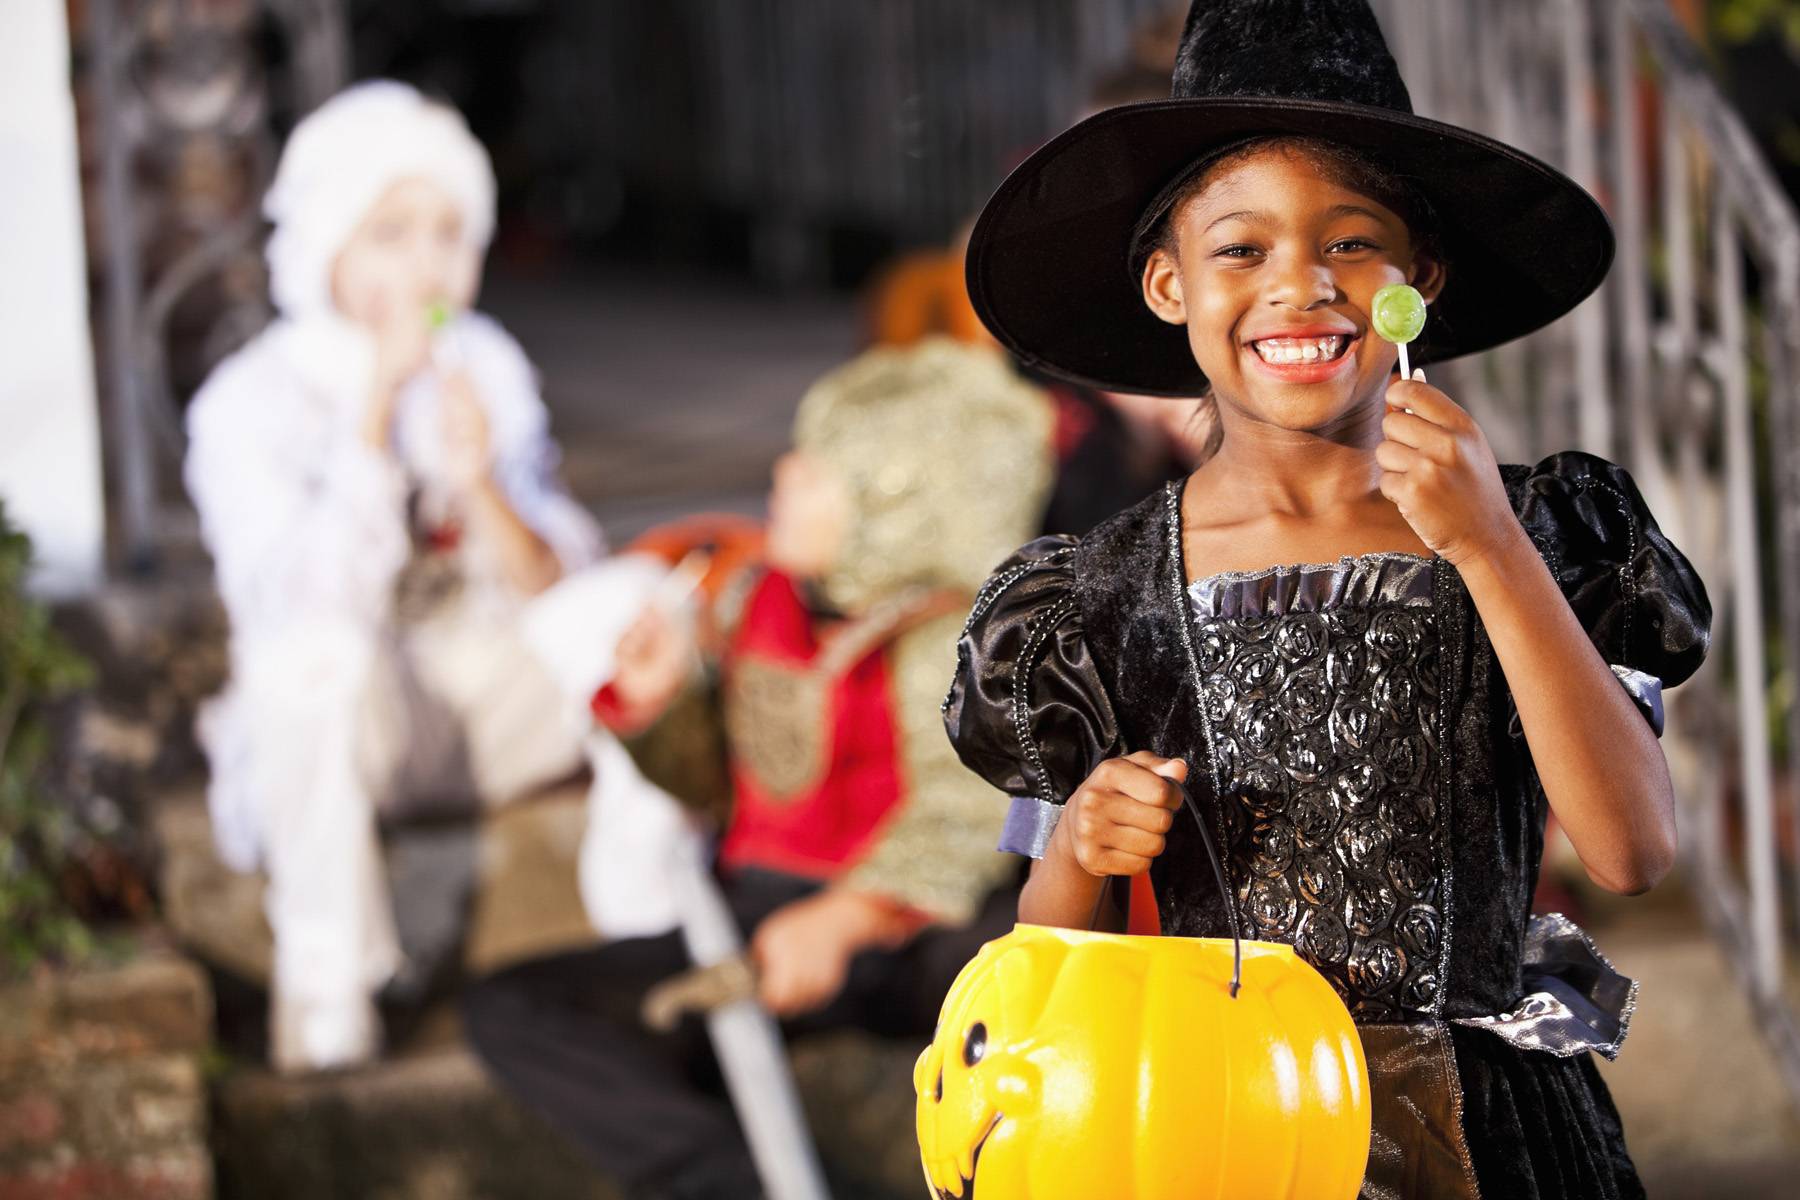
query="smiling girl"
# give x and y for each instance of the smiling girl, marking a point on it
(1376, 657)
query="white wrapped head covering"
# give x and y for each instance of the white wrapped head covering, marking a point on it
(340, 160)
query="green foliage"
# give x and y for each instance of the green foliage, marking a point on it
(35, 667)
(1739, 21)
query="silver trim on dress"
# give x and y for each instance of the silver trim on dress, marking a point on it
(1359, 580)
(1575, 1000)
(1029, 823)
(1646, 691)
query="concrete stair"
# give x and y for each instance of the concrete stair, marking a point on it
(102, 1083)
(426, 1123)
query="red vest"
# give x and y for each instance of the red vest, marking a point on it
(814, 761)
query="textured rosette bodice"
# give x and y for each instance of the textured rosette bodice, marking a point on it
(1320, 696)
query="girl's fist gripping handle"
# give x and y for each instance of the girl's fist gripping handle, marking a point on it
(1175, 770)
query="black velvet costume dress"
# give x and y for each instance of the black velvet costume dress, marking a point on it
(1350, 733)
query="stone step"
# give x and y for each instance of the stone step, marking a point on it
(428, 1126)
(425, 1123)
(102, 1091)
(431, 1126)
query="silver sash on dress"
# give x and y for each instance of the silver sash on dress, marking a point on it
(1575, 1001)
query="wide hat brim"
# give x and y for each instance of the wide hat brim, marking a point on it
(1048, 261)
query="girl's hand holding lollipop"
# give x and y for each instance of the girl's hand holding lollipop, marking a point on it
(1436, 464)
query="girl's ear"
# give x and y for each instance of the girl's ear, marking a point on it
(1429, 276)
(1162, 288)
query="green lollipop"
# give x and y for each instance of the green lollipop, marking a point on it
(444, 350)
(1398, 315)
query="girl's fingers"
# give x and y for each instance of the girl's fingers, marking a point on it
(1140, 843)
(1135, 778)
(1411, 429)
(1425, 401)
(1128, 811)
(1173, 768)
(1396, 457)
(1117, 862)
(1393, 486)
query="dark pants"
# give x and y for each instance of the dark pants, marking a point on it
(564, 1034)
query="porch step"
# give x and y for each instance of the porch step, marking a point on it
(431, 1126)
(428, 1126)
(426, 1123)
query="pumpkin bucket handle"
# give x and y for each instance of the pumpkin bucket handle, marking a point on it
(1212, 854)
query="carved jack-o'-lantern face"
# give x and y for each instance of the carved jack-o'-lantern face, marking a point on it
(1073, 1064)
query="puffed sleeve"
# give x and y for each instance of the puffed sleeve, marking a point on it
(1637, 596)
(1027, 710)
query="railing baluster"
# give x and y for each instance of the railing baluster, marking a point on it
(1781, 353)
(1752, 691)
(1630, 276)
(133, 477)
(1593, 397)
(1680, 423)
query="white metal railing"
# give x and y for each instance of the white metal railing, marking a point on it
(169, 76)
(1683, 368)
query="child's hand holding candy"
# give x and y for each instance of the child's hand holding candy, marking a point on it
(1436, 464)
(1440, 473)
(403, 334)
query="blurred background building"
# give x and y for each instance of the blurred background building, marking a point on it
(697, 198)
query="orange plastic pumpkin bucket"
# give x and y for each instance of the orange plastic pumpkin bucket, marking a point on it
(1080, 1065)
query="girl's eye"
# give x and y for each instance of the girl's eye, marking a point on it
(1238, 251)
(1351, 245)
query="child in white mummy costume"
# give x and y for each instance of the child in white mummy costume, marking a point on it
(376, 483)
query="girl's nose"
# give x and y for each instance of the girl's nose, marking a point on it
(1303, 285)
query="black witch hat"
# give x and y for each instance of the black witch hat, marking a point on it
(1051, 260)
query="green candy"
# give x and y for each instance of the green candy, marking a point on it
(437, 314)
(1398, 313)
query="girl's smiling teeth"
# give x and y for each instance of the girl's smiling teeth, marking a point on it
(1285, 350)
